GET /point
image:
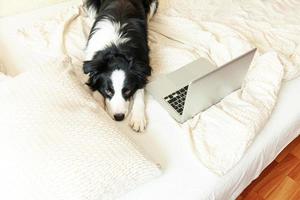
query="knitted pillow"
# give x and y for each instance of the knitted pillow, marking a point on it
(3, 76)
(57, 143)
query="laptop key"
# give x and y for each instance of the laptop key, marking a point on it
(177, 99)
(171, 101)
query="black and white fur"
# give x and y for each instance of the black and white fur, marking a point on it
(117, 56)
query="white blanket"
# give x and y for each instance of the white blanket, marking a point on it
(185, 30)
(266, 24)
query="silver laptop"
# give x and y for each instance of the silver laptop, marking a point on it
(198, 85)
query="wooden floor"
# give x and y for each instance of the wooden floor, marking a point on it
(280, 180)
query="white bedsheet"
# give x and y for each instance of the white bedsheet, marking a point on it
(221, 134)
(184, 176)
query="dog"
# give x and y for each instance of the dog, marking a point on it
(117, 56)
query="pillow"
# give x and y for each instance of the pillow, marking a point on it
(3, 76)
(57, 143)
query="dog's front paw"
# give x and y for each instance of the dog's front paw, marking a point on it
(138, 121)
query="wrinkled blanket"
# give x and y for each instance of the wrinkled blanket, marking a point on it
(219, 31)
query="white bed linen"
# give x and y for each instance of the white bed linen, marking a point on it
(9, 28)
(184, 177)
(222, 133)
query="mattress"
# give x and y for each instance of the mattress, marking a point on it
(184, 177)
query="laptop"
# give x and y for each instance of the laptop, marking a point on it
(198, 85)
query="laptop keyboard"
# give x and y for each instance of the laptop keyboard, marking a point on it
(177, 99)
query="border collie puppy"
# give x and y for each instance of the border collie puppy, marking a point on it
(117, 56)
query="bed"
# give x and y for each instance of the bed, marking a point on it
(184, 177)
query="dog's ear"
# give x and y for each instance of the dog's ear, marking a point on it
(141, 71)
(88, 67)
(97, 65)
(94, 68)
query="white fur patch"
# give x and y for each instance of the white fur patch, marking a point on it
(92, 13)
(117, 104)
(106, 33)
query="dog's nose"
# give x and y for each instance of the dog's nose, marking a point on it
(119, 117)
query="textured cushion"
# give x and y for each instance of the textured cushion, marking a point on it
(3, 76)
(57, 143)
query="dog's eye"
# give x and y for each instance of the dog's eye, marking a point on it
(108, 92)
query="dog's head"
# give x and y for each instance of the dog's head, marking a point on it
(117, 77)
